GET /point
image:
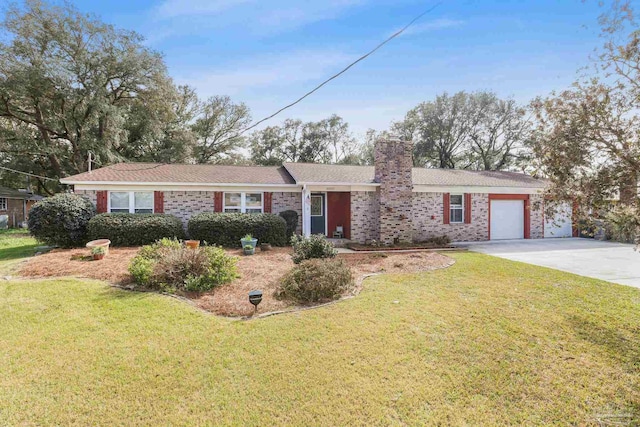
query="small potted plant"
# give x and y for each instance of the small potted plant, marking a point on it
(249, 250)
(248, 240)
(98, 252)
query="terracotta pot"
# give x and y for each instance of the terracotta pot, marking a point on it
(192, 244)
(98, 257)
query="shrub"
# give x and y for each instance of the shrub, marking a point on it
(168, 266)
(124, 229)
(623, 223)
(226, 229)
(316, 280)
(61, 220)
(439, 240)
(291, 218)
(314, 246)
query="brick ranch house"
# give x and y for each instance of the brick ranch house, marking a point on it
(390, 201)
(15, 206)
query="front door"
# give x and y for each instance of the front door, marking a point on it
(318, 214)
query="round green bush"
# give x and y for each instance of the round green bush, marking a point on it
(226, 229)
(61, 220)
(168, 266)
(316, 280)
(314, 246)
(125, 229)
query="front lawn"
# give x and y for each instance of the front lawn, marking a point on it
(15, 245)
(484, 342)
(263, 271)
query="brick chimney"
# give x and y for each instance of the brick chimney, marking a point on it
(393, 163)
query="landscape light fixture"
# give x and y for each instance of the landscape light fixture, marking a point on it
(255, 297)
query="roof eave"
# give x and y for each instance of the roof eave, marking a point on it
(328, 183)
(175, 183)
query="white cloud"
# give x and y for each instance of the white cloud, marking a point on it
(251, 15)
(267, 71)
(436, 24)
(177, 8)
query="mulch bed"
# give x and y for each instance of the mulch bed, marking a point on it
(260, 271)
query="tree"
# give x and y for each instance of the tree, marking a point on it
(439, 129)
(157, 126)
(499, 133)
(587, 142)
(466, 131)
(326, 141)
(339, 139)
(217, 129)
(68, 84)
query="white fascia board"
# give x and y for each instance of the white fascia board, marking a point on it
(168, 186)
(475, 189)
(364, 184)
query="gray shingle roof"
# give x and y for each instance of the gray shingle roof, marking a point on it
(458, 177)
(311, 172)
(11, 193)
(314, 172)
(292, 173)
(181, 173)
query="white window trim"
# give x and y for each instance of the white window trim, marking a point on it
(243, 201)
(451, 221)
(4, 204)
(132, 200)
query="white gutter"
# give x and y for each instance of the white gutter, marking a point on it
(330, 184)
(174, 183)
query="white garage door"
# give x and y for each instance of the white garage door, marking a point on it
(560, 225)
(507, 219)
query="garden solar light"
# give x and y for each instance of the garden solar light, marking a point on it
(255, 297)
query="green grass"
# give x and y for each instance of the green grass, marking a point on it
(15, 245)
(485, 342)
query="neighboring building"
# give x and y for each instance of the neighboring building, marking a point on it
(15, 206)
(391, 201)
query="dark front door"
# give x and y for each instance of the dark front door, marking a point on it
(318, 214)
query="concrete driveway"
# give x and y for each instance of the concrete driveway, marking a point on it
(614, 262)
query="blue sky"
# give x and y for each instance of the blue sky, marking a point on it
(267, 53)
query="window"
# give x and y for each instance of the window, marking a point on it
(316, 206)
(131, 201)
(143, 202)
(3, 204)
(243, 202)
(119, 202)
(456, 208)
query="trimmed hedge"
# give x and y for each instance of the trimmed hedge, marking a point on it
(125, 229)
(61, 220)
(226, 229)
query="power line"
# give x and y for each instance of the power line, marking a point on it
(29, 174)
(344, 70)
(338, 74)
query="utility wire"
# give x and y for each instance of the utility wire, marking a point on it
(315, 89)
(29, 174)
(344, 70)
